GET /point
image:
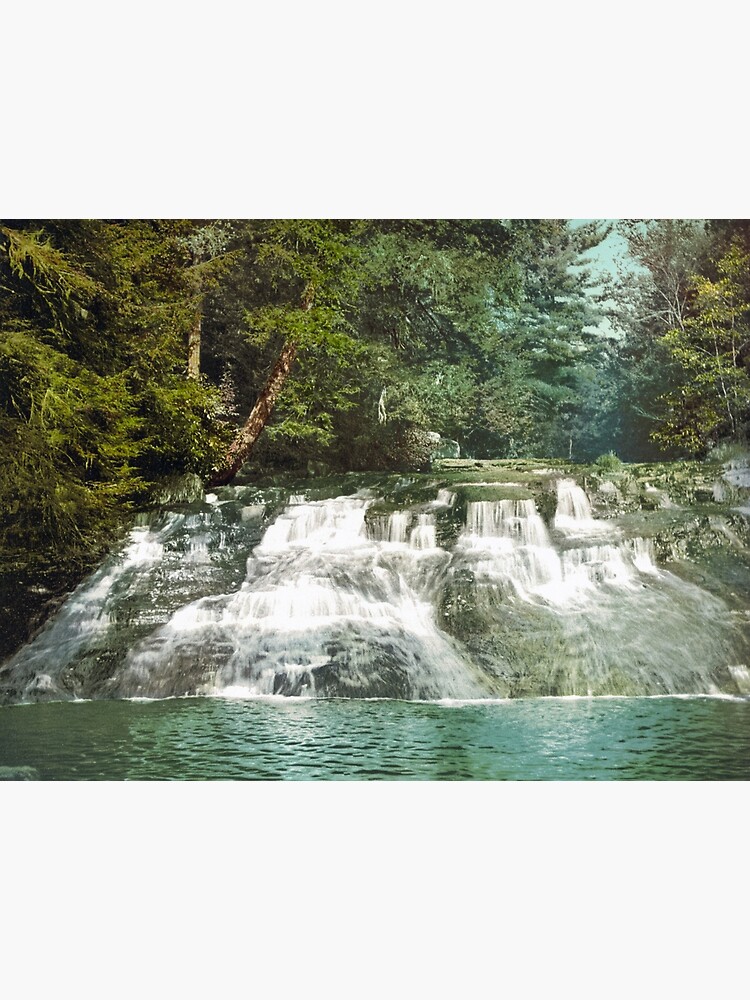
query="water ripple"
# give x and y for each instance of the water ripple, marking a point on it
(534, 739)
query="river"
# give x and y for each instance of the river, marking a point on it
(671, 738)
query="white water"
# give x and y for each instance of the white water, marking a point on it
(90, 612)
(602, 617)
(445, 498)
(573, 515)
(424, 533)
(322, 592)
(508, 542)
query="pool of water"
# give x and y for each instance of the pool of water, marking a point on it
(673, 738)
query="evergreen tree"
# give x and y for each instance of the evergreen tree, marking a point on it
(94, 404)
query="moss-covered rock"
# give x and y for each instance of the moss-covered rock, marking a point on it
(493, 492)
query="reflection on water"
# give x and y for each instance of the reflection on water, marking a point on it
(535, 739)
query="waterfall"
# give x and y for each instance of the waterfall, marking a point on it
(392, 528)
(594, 611)
(518, 519)
(445, 498)
(510, 543)
(424, 534)
(88, 616)
(326, 608)
(573, 515)
(335, 524)
(257, 593)
(597, 564)
(507, 541)
(643, 555)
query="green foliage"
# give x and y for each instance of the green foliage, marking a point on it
(473, 330)
(180, 431)
(710, 346)
(683, 361)
(94, 405)
(608, 462)
(53, 287)
(439, 397)
(507, 408)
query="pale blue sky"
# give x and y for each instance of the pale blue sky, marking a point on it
(610, 252)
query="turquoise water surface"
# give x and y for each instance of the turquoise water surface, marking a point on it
(270, 739)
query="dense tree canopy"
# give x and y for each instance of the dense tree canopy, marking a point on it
(477, 330)
(132, 351)
(684, 358)
(95, 406)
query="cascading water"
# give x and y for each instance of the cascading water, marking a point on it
(506, 541)
(276, 594)
(597, 616)
(87, 617)
(327, 608)
(573, 515)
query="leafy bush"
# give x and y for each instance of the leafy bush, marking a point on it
(609, 463)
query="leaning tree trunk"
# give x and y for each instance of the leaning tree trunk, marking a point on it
(248, 434)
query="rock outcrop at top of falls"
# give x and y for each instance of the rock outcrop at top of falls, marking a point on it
(480, 580)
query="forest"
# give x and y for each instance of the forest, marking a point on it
(136, 353)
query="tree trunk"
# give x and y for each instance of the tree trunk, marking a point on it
(194, 345)
(248, 434)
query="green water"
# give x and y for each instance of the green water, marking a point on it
(534, 739)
